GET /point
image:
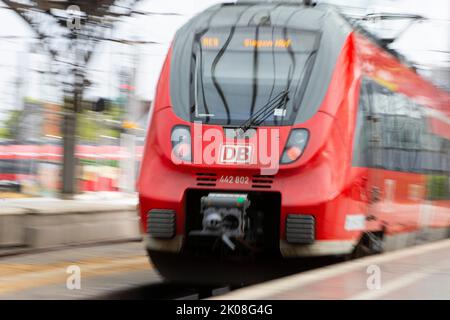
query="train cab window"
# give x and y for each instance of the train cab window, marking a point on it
(237, 71)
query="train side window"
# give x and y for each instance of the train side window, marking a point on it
(438, 168)
(362, 136)
(392, 133)
(399, 132)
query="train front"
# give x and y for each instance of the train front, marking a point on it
(237, 158)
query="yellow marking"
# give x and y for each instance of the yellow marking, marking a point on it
(18, 277)
(386, 83)
(11, 269)
(13, 195)
(130, 125)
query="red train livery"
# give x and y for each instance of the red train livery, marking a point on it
(280, 132)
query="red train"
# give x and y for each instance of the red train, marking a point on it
(280, 131)
(40, 165)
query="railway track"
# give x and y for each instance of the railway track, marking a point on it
(108, 272)
(168, 291)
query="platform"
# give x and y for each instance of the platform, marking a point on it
(37, 223)
(421, 272)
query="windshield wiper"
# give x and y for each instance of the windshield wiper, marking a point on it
(266, 111)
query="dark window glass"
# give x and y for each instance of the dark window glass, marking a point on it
(362, 155)
(238, 70)
(392, 133)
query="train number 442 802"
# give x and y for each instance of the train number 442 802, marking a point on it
(235, 179)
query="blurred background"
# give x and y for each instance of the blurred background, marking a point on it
(77, 79)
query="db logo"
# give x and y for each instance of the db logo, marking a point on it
(235, 153)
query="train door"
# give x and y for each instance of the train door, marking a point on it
(396, 186)
(374, 157)
(366, 156)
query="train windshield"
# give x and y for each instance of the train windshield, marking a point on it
(237, 71)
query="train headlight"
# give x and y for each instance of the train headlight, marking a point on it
(295, 145)
(181, 143)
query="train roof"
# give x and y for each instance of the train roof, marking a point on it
(289, 14)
